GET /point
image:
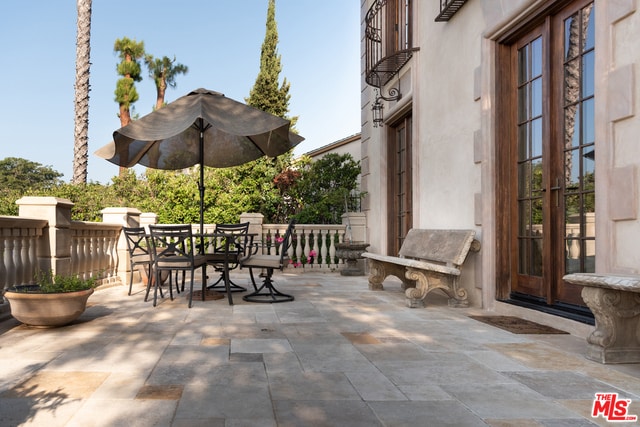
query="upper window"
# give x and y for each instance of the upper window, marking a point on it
(388, 40)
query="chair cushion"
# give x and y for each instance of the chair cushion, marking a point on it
(141, 258)
(263, 261)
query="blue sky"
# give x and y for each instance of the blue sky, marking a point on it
(218, 40)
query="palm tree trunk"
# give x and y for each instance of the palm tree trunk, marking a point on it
(81, 101)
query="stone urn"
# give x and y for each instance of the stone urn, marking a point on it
(47, 309)
(351, 252)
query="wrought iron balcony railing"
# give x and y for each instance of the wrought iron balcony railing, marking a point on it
(387, 40)
(448, 8)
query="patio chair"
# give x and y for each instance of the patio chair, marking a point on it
(139, 253)
(173, 250)
(240, 242)
(267, 293)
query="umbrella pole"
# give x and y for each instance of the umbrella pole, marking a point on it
(201, 182)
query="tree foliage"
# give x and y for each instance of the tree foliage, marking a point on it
(129, 51)
(325, 187)
(21, 175)
(278, 188)
(267, 93)
(163, 71)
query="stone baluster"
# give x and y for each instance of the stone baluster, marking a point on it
(3, 269)
(332, 246)
(298, 249)
(307, 247)
(317, 236)
(9, 261)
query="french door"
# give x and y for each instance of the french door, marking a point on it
(550, 158)
(400, 193)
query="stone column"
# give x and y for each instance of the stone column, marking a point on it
(127, 217)
(148, 218)
(255, 221)
(54, 250)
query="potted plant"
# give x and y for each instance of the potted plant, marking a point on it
(55, 300)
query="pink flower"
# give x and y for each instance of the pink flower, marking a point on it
(312, 253)
(279, 239)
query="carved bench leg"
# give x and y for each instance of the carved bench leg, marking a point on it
(378, 271)
(426, 282)
(617, 313)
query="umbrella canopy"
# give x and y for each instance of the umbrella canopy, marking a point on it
(232, 133)
(201, 128)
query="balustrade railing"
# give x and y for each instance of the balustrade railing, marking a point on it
(19, 239)
(313, 245)
(94, 250)
(25, 250)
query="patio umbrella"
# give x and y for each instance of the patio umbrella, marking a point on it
(201, 128)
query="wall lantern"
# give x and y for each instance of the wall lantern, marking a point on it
(377, 107)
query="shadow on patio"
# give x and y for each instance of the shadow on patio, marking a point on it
(339, 354)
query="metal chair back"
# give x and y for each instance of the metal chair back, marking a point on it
(139, 252)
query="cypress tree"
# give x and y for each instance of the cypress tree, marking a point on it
(267, 93)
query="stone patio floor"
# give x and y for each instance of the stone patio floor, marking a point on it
(339, 355)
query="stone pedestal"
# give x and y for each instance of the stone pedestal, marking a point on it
(351, 252)
(615, 303)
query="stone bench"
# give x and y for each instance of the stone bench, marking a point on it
(614, 301)
(428, 260)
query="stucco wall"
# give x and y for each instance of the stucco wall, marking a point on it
(450, 85)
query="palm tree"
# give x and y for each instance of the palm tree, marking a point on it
(163, 72)
(81, 99)
(130, 52)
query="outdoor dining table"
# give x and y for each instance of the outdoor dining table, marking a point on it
(224, 257)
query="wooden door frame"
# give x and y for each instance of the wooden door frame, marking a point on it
(506, 209)
(393, 245)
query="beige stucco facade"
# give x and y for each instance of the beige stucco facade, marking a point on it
(449, 85)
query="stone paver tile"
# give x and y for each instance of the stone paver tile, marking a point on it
(282, 362)
(42, 410)
(186, 338)
(506, 401)
(497, 361)
(331, 358)
(246, 357)
(424, 392)
(360, 338)
(225, 399)
(584, 407)
(519, 422)
(396, 352)
(205, 422)
(352, 413)
(540, 356)
(62, 385)
(176, 373)
(374, 386)
(250, 345)
(215, 341)
(564, 384)
(426, 413)
(160, 392)
(129, 413)
(196, 354)
(445, 368)
(120, 385)
(312, 386)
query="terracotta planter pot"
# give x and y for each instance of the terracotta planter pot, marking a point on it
(47, 310)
